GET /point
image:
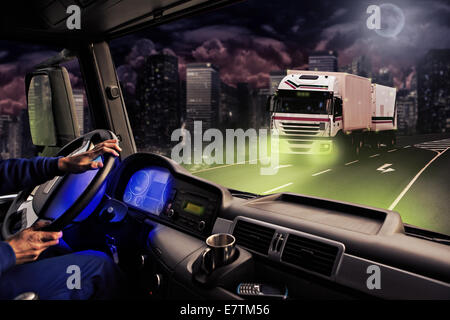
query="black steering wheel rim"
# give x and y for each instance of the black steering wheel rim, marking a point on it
(86, 196)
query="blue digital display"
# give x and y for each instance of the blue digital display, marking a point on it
(149, 189)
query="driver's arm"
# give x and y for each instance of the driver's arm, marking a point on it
(18, 174)
(26, 246)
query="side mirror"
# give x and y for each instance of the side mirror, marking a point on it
(51, 107)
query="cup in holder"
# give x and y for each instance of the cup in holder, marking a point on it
(220, 251)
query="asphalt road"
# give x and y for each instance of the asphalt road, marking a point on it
(411, 178)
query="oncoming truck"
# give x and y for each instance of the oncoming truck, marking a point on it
(314, 112)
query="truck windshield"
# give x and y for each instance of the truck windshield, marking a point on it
(218, 71)
(303, 102)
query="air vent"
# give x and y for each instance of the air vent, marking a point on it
(253, 236)
(310, 254)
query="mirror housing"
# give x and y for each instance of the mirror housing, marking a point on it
(51, 107)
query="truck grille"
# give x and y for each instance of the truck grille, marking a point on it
(308, 129)
(297, 124)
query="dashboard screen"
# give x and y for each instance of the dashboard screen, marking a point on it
(149, 189)
(193, 208)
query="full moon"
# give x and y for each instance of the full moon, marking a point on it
(392, 20)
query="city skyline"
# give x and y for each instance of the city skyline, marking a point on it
(250, 45)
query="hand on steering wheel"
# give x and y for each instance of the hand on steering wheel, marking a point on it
(62, 199)
(84, 161)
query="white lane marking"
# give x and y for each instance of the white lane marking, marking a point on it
(384, 168)
(316, 174)
(436, 145)
(392, 150)
(224, 166)
(406, 147)
(400, 196)
(283, 166)
(374, 155)
(277, 188)
(218, 167)
(349, 163)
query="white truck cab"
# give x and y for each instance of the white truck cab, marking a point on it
(307, 113)
(314, 111)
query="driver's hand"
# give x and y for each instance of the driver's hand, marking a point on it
(30, 243)
(84, 161)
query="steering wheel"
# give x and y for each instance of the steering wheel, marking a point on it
(63, 198)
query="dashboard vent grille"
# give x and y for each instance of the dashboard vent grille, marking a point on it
(310, 254)
(253, 236)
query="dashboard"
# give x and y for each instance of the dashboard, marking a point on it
(166, 193)
(312, 245)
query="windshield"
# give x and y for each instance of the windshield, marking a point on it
(198, 90)
(303, 102)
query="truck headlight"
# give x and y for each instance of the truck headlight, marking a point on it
(325, 147)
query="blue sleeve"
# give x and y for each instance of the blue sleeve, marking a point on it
(18, 174)
(7, 257)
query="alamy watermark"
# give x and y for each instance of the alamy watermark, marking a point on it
(386, 19)
(374, 280)
(192, 149)
(73, 21)
(74, 280)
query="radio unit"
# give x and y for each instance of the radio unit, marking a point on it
(191, 211)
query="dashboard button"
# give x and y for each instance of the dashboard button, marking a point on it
(201, 225)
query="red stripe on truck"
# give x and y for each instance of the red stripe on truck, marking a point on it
(290, 85)
(302, 119)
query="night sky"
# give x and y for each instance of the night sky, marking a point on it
(247, 40)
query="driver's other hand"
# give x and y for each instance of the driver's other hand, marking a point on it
(84, 161)
(28, 244)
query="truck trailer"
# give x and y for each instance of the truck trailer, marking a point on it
(316, 112)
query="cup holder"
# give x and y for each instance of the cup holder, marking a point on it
(239, 267)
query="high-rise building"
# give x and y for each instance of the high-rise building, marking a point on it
(10, 137)
(14, 138)
(433, 89)
(78, 97)
(346, 68)
(156, 111)
(202, 95)
(261, 114)
(4, 123)
(323, 61)
(406, 102)
(384, 77)
(362, 66)
(182, 101)
(228, 107)
(275, 79)
(245, 104)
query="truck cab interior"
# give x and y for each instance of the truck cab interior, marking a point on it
(152, 216)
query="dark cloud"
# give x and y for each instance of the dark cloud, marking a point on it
(12, 96)
(16, 60)
(232, 37)
(249, 39)
(244, 58)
